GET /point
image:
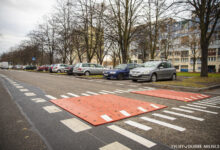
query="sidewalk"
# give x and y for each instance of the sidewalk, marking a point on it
(15, 131)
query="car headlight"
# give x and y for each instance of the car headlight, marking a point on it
(112, 72)
(146, 72)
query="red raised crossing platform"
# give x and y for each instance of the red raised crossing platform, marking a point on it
(101, 109)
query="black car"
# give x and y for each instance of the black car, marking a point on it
(30, 67)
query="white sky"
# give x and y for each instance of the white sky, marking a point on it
(18, 17)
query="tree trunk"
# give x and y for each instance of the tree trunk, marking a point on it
(204, 59)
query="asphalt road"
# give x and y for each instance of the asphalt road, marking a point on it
(49, 125)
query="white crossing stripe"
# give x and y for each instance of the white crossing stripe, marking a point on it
(187, 98)
(183, 115)
(120, 84)
(74, 95)
(183, 110)
(38, 100)
(19, 87)
(75, 125)
(29, 94)
(114, 146)
(154, 106)
(106, 118)
(125, 113)
(163, 116)
(196, 106)
(132, 136)
(93, 93)
(117, 91)
(52, 109)
(64, 96)
(50, 97)
(23, 90)
(164, 124)
(108, 92)
(138, 125)
(129, 90)
(84, 94)
(207, 105)
(132, 85)
(193, 97)
(211, 112)
(142, 109)
(103, 93)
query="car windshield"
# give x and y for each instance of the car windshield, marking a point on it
(151, 64)
(121, 66)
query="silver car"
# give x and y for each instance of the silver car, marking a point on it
(88, 69)
(58, 68)
(153, 71)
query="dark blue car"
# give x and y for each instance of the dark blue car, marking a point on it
(120, 72)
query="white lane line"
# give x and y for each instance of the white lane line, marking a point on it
(164, 124)
(163, 116)
(120, 84)
(193, 97)
(138, 125)
(19, 87)
(30, 94)
(196, 106)
(207, 105)
(106, 118)
(75, 125)
(154, 106)
(114, 146)
(108, 92)
(103, 93)
(125, 113)
(84, 94)
(142, 109)
(183, 110)
(23, 90)
(74, 95)
(183, 115)
(92, 93)
(118, 91)
(132, 136)
(187, 98)
(211, 112)
(52, 109)
(64, 96)
(50, 97)
(38, 100)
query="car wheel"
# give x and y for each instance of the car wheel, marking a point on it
(58, 71)
(134, 80)
(154, 78)
(87, 73)
(120, 77)
(173, 77)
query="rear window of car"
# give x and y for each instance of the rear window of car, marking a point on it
(92, 65)
(85, 65)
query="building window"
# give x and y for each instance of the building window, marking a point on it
(184, 59)
(218, 51)
(177, 67)
(211, 52)
(211, 58)
(184, 66)
(177, 59)
(219, 58)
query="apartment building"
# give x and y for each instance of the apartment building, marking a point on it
(183, 47)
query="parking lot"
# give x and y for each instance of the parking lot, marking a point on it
(191, 124)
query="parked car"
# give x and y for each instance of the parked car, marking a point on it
(51, 68)
(30, 67)
(88, 69)
(120, 72)
(43, 68)
(153, 71)
(69, 69)
(58, 68)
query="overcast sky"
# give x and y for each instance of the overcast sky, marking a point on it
(18, 17)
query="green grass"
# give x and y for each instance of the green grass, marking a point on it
(196, 74)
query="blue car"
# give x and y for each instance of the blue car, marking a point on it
(120, 72)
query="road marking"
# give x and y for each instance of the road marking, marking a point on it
(64, 96)
(125, 113)
(29, 94)
(106, 118)
(183, 110)
(50, 97)
(38, 100)
(183, 115)
(187, 98)
(138, 125)
(204, 103)
(117, 91)
(142, 109)
(211, 112)
(163, 116)
(93, 93)
(103, 93)
(74, 95)
(114, 146)
(108, 92)
(52, 109)
(129, 90)
(196, 106)
(23, 90)
(75, 125)
(84, 94)
(120, 84)
(207, 105)
(19, 87)
(193, 97)
(154, 106)
(132, 85)
(164, 124)
(132, 136)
